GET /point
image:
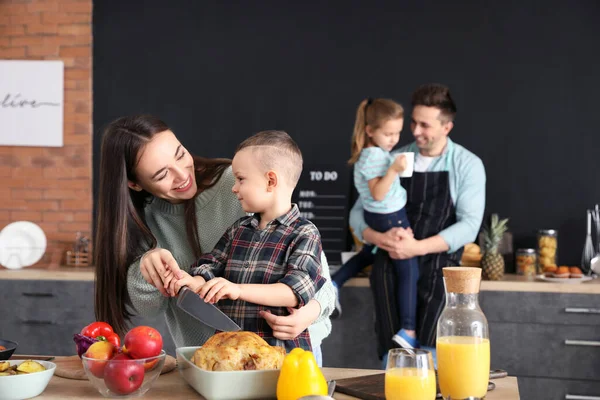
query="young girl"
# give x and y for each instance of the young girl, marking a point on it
(376, 132)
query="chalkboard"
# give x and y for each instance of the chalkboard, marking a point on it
(322, 197)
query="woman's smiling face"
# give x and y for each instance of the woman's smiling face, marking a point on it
(165, 169)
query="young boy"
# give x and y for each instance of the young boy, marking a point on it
(270, 260)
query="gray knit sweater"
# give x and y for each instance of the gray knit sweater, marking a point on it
(216, 209)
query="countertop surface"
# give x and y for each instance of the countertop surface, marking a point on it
(519, 283)
(510, 282)
(173, 386)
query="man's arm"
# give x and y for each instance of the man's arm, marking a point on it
(363, 232)
(470, 206)
(357, 221)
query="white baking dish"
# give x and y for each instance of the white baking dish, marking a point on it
(226, 385)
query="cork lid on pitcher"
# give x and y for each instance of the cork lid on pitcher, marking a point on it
(462, 279)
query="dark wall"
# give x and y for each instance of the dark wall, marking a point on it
(524, 76)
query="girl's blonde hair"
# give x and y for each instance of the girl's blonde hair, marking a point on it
(374, 113)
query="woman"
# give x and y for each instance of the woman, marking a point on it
(159, 205)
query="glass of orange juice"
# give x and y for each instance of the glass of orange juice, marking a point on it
(409, 375)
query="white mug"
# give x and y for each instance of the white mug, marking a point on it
(410, 164)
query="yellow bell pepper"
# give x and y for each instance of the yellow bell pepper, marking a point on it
(300, 376)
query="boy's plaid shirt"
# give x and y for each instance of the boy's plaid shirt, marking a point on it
(287, 251)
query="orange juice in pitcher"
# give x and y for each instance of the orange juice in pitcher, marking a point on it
(463, 346)
(463, 366)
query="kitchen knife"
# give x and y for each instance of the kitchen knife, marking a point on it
(207, 313)
(31, 357)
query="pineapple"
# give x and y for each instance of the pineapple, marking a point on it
(492, 262)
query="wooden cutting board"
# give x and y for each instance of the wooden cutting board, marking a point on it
(71, 367)
(372, 387)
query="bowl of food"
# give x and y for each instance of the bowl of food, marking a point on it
(232, 365)
(123, 376)
(23, 379)
(7, 348)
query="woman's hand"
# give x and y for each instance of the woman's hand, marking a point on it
(287, 327)
(152, 267)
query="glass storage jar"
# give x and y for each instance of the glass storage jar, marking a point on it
(463, 345)
(526, 261)
(547, 246)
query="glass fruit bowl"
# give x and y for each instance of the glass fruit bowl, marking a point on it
(123, 376)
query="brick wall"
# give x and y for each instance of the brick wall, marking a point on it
(48, 185)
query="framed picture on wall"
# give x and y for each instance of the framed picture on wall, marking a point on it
(31, 103)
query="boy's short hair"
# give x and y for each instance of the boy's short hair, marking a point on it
(276, 150)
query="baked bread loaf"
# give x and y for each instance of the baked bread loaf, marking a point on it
(238, 351)
(471, 256)
(472, 249)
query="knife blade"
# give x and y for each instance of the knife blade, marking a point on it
(31, 357)
(204, 312)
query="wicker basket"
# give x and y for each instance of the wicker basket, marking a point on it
(77, 259)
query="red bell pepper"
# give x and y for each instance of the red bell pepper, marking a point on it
(102, 331)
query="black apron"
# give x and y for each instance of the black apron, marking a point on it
(430, 209)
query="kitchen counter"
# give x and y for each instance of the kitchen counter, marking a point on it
(510, 282)
(516, 283)
(172, 386)
(49, 274)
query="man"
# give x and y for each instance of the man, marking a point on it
(445, 205)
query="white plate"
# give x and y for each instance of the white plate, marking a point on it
(22, 244)
(226, 385)
(564, 280)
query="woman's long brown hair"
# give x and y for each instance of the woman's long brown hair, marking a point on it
(122, 235)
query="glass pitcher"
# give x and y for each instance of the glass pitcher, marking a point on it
(463, 346)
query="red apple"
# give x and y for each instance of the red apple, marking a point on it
(122, 375)
(121, 356)
(148, 365)
(143, 342)
(99, 351)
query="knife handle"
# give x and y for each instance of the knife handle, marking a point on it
(498, 373)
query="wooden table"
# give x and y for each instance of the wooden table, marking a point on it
(172, 386)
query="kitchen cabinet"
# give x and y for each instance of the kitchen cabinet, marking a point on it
(43, 315)
(548, 335)
(550, 341)
(353, 343)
